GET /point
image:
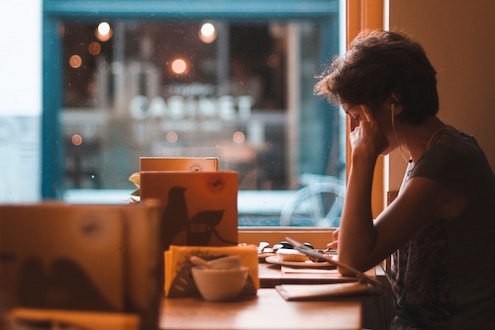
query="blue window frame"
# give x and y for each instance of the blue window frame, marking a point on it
(325, 13)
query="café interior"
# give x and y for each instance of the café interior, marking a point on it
(123, 90)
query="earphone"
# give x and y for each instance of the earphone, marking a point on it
(392, 106)
(392, 114)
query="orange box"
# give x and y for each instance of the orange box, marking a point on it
(200, 208)
(191, 164)
(63, 262)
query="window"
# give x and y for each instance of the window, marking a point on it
(233, 82)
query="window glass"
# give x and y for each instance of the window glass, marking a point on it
(238, 91)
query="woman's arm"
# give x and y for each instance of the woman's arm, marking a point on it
(362, 242)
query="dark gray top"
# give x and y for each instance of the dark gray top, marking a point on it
(444, 276)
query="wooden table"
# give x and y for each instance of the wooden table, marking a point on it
(266, 311)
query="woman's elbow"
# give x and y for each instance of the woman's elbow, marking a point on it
(350, 266)
(345, 272)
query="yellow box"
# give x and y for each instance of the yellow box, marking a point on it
(200, 208)
(178, 277)
(190, 164)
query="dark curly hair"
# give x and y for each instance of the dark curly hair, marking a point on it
(377, 64)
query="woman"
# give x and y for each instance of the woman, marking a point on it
(441, 226)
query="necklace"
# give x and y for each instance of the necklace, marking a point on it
(410, 163)
(436, 132)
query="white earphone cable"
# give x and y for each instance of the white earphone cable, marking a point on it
(392, 111)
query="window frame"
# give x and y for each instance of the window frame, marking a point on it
(360, 14)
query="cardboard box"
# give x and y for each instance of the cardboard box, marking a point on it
(84, 258)
(190, 164)
(200, 207)
(178, 278)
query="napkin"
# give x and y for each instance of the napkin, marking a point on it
(320, 291)
(178, 278)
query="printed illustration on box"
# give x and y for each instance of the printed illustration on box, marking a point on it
(200, 208)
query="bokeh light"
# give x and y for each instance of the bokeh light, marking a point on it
(172, 137)
(75, 61)
(207, 33)
(239, 137)
(179, 66)
(94, 48)
(103, 32)
(76, 139)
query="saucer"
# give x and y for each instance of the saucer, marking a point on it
(300, 264)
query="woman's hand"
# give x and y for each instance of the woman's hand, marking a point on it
(333, 245)
(367, 139)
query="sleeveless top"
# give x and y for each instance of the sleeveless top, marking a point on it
(444, 276)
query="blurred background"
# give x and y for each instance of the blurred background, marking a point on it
(104, 83)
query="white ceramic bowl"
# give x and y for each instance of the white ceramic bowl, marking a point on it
(228, 262)
(219, 284)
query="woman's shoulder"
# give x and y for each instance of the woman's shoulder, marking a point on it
(454, 147)
(456, 160)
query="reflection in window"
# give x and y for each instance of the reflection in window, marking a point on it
(206, 88)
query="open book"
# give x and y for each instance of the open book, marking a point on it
(364, 284)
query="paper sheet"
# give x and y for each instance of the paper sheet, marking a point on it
(321, 291)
